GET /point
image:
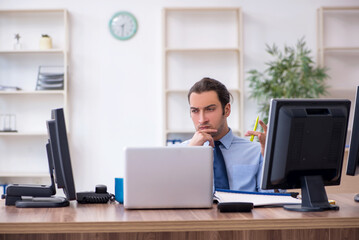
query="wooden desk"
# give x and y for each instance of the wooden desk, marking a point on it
(111, 221)
(348, 184)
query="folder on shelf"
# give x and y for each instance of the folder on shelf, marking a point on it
(50, 78)
(259, 199)
(42, 85)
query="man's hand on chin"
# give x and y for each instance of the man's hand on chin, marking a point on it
(201, 136)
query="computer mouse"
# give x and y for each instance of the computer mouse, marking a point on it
(235, 206)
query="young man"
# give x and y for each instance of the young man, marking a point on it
(241, 164)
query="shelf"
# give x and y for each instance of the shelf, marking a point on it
(204, 9)
(190, 131)
(23, 153)
(181, 131)
(10, 11)
(23, 134)
(23, 174)
(341, 49)
(340, 8)
(26, 134)
(32, 51)
(42, 92)
(185, 91)
(342, 90)
(187, 59)
(202, 50)
(338, 50)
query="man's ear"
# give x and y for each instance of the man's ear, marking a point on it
(227, 109)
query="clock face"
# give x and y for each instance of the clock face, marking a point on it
(123, 25)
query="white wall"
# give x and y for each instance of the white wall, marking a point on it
(115, 86)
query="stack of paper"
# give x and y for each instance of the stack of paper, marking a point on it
(50, 78)
(257, 198)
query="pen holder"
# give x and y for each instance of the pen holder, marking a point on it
(119, 190)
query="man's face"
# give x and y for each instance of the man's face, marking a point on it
(206, 112)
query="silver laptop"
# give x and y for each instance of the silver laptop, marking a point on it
(168, 177)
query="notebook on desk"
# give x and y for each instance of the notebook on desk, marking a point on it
(168, 177)
(259, 199)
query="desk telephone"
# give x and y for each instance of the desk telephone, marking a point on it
(99, 196)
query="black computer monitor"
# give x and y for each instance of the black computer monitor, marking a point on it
(305, 148)
(61, 153)
(353, 157)
(37, 196)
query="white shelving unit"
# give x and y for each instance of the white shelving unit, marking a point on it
(197, 43)
(23, 153)
(338, 49)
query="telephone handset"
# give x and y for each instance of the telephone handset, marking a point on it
(99, 196)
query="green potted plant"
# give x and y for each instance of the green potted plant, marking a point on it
(291, 74)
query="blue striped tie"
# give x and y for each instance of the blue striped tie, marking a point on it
(219, 168)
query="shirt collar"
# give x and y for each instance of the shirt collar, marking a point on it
(226, 140)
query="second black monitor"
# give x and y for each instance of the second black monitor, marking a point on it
(353, 158)
(305, 148)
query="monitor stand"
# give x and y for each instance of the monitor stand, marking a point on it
(35, 196)
(314, 196)
(42, 202)
(16, 192)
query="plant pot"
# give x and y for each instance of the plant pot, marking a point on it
(45, 43)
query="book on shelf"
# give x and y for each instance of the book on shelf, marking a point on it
(259, 199)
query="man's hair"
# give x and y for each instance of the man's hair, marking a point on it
(209, 84)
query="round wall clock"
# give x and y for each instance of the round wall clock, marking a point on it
(123, 25)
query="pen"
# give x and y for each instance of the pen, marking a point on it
(255, 128)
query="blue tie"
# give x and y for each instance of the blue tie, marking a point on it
(219, 168)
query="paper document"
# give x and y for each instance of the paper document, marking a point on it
(258, 199)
